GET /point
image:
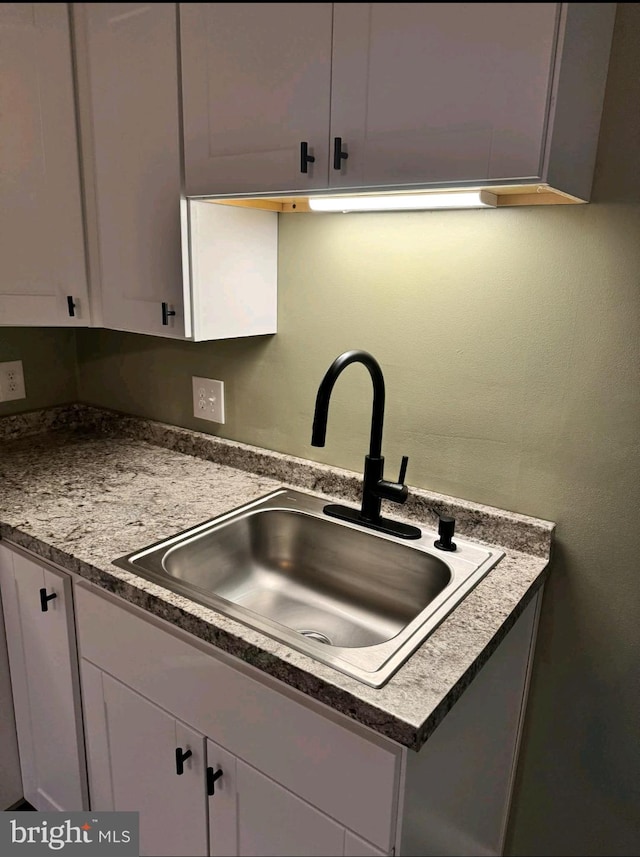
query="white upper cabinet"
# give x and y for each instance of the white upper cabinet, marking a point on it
(440, 92)
(42, 276)
(133, 163)
(256, 92)
(414, 95)
(161, 266)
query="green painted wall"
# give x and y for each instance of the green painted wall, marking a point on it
(510, 345)
(48, 357)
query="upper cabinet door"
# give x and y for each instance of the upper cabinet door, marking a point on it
(41, 230)
(440, 92)
(256, 88)
(128, 72)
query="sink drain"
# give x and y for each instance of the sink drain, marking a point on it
(317, 636)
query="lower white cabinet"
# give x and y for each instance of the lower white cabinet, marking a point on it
(219, 758)
(216, 762)
(38, 615)
(193, 796)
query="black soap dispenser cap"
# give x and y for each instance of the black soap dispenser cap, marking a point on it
(446, 529)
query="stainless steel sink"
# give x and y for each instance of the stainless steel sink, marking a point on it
(349, 597)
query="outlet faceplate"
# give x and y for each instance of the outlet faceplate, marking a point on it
(11, 381)
(208, 399)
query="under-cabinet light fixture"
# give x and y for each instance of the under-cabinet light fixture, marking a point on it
(405, 202)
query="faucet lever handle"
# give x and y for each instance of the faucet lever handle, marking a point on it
(403, 469)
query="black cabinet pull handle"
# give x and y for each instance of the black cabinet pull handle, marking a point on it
(71, 305)
(211, 778)
(180, 760)
(305, 158)
(166, 312)
(45, 599)
(338, 154)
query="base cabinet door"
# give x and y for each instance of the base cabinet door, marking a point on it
(38, 613)
(154, 765)
(271, 820)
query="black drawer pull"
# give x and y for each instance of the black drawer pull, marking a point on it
(71, 305)
(211, 779)
(180, 760)
(45, 599)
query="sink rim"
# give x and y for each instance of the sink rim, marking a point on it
(372, 665)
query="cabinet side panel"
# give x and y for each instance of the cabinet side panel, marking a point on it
(458, 786)
(234, 259)
(581, 78)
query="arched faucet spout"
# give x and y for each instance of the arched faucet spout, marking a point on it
(319, 431)
(374, 487)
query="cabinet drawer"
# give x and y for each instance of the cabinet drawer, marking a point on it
(352, 778)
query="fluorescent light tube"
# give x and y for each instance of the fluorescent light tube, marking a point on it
(405, 202)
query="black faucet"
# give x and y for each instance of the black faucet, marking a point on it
(374, 487)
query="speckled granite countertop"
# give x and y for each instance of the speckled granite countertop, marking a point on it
(81, 487)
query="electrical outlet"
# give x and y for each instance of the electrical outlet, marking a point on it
(208, 399)
(11, 381)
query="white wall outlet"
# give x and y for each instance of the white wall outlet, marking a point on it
(208, 399)
(11, 381)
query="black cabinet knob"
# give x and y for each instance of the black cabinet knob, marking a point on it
(446, 528)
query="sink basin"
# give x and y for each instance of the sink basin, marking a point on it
(347, 596)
